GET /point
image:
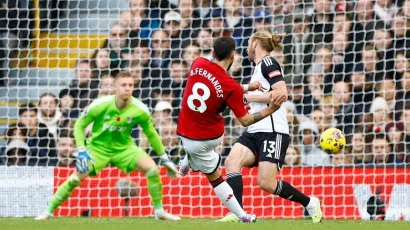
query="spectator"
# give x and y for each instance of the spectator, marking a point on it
(298, 46)
(292, 157)
(363, 91)
(162, 113)
(329, 108)
(401, 29)
(301, 96)
(131, 26)
(358, 147)
(205, 41)
(348, 113)
(148, 23)
(322, 21)
(100, 62)
(315, 80)
(310, 152)
(381, 114)
(205, 10)
(236, 68)
(179, 74)
(15, 132)
(385, 10)
(217, 24)
(172, 24)
(17, 153)
(84, 88)
(49, 113)
(119, 46)
(141, 55)
(67, 107)
(169, 137)
(324, 57)
(382, 151)
(403, 96)
(190, 53)
(41, 142)
(107, 86)
(294, 120)
(161, 49)
(189, 20)
(365, 22)
(372, 64)
(263, 21)
(384, 45)
(395, 136)
(343, 24)
(66, 150)
(343, 58)
(402, 65)
(317, 116)
(405, 118)
(241, 27)
(387, 90)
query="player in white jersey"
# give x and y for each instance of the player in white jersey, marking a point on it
(265, 143)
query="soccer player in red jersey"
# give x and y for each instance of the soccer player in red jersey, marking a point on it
(208, 92)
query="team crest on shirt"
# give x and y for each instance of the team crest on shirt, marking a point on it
(274, 73)
(129, 120)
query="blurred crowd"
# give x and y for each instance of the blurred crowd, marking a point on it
(346, 66)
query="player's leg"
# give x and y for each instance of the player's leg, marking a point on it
(66, 188)
(271, 157)
(225, 194)
(240, 156)
(137, 159)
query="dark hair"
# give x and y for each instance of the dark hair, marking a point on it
(48, 94)
(179, 62)
(223, 47)
(81, 61)
(27, 107)
(66, 133)
(13, 127)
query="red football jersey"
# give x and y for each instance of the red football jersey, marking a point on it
(208, 91)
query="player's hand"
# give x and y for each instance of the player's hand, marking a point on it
(256, 85)
(276, 100)
(82, 163)
(171, 168)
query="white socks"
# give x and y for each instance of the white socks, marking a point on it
(225, 194)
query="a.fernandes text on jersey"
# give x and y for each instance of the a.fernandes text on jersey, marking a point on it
(209, 90)
(112, 127)
(268, 71)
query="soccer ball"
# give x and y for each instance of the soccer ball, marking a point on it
(332, 140)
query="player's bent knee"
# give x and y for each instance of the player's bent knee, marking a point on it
(153, 171)
(268, 185)
(232, 164)
(74, 180)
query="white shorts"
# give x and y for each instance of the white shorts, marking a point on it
(201, 154)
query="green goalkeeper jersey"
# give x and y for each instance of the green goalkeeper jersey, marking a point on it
(111, 131)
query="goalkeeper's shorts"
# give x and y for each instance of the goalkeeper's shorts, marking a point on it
(126, 161)
(201, 154)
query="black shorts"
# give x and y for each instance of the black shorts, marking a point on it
(270, 147)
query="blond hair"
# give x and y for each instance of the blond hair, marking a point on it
(269, 41)
(123, 74)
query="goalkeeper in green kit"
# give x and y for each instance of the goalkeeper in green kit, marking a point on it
(111, 143)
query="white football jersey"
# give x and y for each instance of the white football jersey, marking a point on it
(268, 71)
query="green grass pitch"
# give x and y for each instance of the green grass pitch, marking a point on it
(195, 224)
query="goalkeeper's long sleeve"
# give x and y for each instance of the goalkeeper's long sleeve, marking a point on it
(79, 128)
(153, 136)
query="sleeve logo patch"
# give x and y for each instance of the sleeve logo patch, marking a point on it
(274, 73)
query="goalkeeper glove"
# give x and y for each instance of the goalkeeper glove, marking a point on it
(171, 168)
(83, 159)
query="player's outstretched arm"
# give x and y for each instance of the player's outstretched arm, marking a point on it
(155, 140)
(256, 85)
(274, 104)
(279, 89)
